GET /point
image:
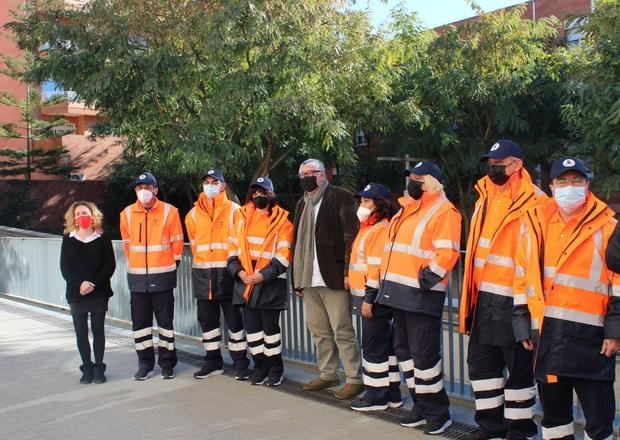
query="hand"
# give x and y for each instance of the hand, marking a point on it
(247, 279)
(610, 346)
(299, 293)
(257, 278)
(528, 344)
(86, 287)
(366, 310)
(346, 283)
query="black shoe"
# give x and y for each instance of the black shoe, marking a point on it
(167, 373)
(364, 406)
(143, 374)
(476, 435)
(87, 374)
(437, 427)
(99, 376)
(274, 382)
(206, 372)
(242, 374)
(412, 420)
(259, 380)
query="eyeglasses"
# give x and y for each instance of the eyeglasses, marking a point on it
(309, 173)
(575, 180)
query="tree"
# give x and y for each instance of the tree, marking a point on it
(243, 85)
(492, 77)
(32, 129)
(592, 108)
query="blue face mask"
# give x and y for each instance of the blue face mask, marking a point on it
(570, 198)
(211, 190)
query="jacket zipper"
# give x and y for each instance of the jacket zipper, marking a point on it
(146, 247)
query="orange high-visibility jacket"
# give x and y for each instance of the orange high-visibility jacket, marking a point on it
(261, 242)
(365, 261)
(421, 248)
(573, 299)
(209, 231)
(489, 260)
(153, 243)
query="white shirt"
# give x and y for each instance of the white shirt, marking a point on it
(317, 279)
(92, 237)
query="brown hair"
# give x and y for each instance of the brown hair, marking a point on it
(70, 225)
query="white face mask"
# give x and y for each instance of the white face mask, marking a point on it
(570, 198)
(211, 190)
(145, 196)
(363, 213)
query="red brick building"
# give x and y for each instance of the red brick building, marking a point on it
(537, 9)
(90, 159)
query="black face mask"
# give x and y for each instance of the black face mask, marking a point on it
(261, 202)
(414, 188)
(497, 174)
(308, 183)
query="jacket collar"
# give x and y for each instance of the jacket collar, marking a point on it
(137, 207)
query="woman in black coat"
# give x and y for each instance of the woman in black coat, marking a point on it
(87, 263)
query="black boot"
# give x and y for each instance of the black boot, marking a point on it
(99, 377)
(87, 374)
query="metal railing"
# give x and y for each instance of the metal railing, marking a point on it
(30, 269)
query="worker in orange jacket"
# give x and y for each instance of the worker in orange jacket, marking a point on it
(567, 303)
(504, 408)
(421, 248)
(259, 256)
(209, 225)
(153, 243)
(379, 363)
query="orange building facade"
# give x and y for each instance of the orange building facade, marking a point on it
(91, 160)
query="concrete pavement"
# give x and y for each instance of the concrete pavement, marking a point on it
(41, 398)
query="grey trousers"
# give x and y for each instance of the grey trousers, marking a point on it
(328, 315)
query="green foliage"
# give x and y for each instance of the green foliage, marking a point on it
(592, 109)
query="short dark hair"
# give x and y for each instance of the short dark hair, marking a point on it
(385, 208)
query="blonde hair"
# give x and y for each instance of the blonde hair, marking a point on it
(431, 184)
(70, 225)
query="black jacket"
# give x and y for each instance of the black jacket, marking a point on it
(93, 261)
(612, 254)
(335, 230)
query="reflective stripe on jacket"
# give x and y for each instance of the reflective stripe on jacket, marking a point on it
(153, 243)
(421, 248)
(489, 260)
(261, 244)
(209, 232)
(573, 303)
(365, 262)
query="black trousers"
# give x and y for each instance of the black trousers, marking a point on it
(379, 365)
(97, 324)
(143, 305)
(504, 408)
(597, 401)
(420, 334)
(209, 318)
(265, 342)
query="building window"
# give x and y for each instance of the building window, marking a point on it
(574, 32)
(360, 138)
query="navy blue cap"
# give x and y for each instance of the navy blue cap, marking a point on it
(215, 173)
(560, 166)
(146, 178)
(425, 167)
(264, 183)
(504, 148)
(375, 191)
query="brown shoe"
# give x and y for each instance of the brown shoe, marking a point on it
(320, 384)
(349, 391)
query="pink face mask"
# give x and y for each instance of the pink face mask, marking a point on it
(84, 221)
